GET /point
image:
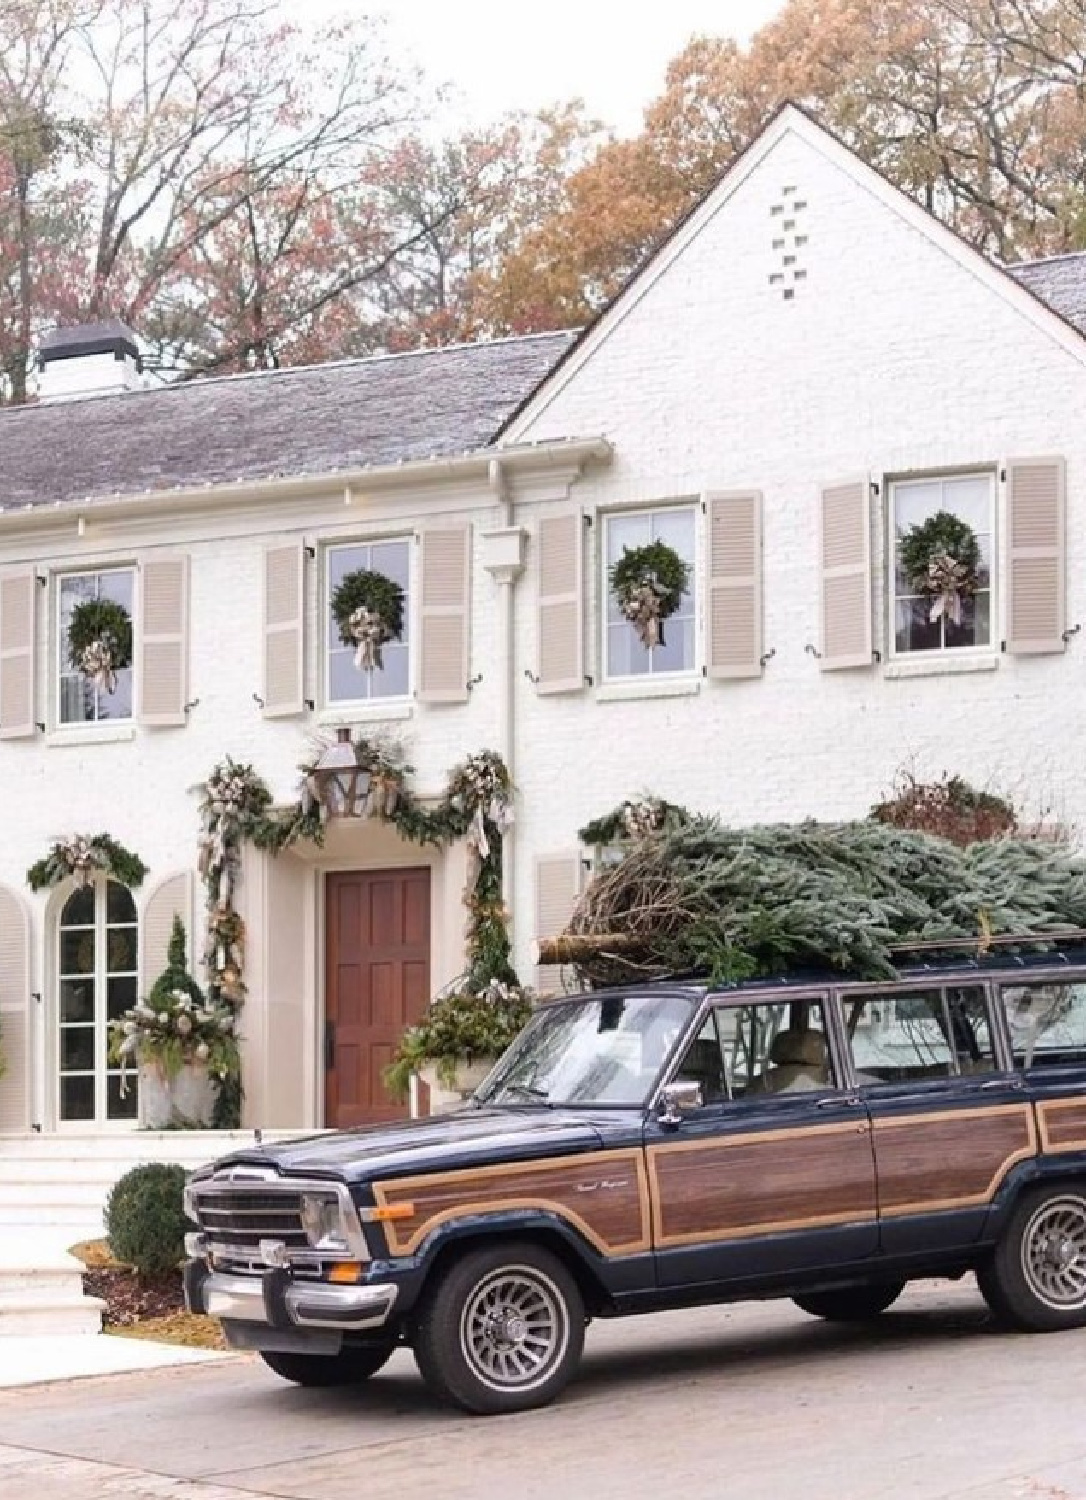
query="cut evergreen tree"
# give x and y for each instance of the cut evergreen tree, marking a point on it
(740, 903)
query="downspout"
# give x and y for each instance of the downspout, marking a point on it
(503, 558)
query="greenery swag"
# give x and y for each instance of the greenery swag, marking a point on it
(83, 856)
(940, 557)
(368, 609)
(631, 820)
(476, 806)
(100, 641)
(648, 584)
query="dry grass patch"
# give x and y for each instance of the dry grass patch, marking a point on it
(188, 1329)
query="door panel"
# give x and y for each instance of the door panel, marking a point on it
(377, 984)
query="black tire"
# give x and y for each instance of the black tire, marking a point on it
(851, 1304)
(502, 1330)
(348, 1367)
(1035, 1279)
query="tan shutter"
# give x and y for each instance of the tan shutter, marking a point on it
(1036, 561)
(558, 880)
(445, 589)
(560, 620)
(735, 585)
(163, 640)
(284, 630)
(15, 1013)
(846, 575)
(170, 898)
(18, 637)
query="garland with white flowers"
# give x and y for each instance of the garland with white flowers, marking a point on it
(82, 856)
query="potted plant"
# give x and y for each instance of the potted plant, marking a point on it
(183, 1046)
(458, 1042)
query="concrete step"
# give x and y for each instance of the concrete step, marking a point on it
(42, 1285)
(21, 1318)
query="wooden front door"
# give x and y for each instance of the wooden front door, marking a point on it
(377, 984)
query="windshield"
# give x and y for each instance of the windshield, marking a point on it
(606, 1050)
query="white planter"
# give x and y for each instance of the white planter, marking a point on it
(443, 1096)
(187, 1100)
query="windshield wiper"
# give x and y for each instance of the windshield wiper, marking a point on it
(528, 1091)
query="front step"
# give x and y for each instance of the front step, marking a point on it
(41, 1290)
(65, 1315)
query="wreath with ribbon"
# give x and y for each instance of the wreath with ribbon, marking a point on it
(648, 584)
(100, 641)
(941, 559)
(368, 610)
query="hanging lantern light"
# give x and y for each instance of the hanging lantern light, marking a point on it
(340, 783)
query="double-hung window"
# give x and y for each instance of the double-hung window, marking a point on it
(84, 697)
(925, 621)
(346, 682)
(624, 654)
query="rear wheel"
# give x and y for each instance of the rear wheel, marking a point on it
(348, 1367)
(1036, 1277)
(502, 1330)
(851, 1304)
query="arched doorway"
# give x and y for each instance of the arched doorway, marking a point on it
(97, 980)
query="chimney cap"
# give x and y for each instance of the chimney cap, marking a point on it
(74, 342)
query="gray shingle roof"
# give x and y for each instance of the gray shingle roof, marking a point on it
(1060, 281)
(318, 419)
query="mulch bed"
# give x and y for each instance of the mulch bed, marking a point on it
(132, 1299)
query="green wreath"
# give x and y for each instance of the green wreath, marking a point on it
(368, 610)
(648, 584)
(941, 535)
(100, 640)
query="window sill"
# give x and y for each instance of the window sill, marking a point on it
(89, 734)
(366, 713)
(648, 687)
(941, 666)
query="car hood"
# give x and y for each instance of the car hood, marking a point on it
(464, 1138)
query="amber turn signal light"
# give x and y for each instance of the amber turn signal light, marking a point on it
(346, 1271)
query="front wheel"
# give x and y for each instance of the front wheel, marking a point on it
(349, 1367)
(1036, 1277)
(851, 1304)
(502, 1330)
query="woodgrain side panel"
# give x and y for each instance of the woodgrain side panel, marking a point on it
(953, 1159)
(763, 1182)
(603, 1194)
(1063, 1124)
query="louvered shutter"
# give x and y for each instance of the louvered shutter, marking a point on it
(558, 879)
(171, 898)
(18, 639)
(561, 604)
(284, 630)
(445, 595)
(846, 575)
(1036, 560)
(163, 640)
(735, 585)
(15, 1013)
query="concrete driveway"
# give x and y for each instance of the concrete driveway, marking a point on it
(756, 1401)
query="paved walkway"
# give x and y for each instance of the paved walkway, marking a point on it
(36, 1361)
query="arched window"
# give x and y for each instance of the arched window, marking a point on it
(97, 968)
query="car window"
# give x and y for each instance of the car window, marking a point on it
(759, 1051)
(1047, 1023)
(915, 1035)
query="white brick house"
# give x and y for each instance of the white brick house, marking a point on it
(807, 366)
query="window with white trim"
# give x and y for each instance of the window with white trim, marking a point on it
(97, 975)
(926, 621)
(344, 681)
(83, 697)
(623, 652)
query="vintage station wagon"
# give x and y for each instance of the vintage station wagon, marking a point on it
(646, 1148)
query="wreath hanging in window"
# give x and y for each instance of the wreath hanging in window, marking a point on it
(100, 641)
(648, 584)
(368, 609)
(941, 559)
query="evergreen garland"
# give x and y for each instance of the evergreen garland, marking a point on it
(739, 903)
(83, 856)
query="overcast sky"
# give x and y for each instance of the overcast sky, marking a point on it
(501, 54)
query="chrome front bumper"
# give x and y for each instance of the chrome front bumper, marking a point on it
(276, 1300)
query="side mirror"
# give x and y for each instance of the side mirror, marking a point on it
(678, 1100)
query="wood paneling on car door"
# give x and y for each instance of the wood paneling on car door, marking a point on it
(378, 984)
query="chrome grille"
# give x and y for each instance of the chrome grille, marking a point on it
(241, 1217)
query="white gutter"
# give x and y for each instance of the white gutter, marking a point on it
(504, 560)
(518, 458)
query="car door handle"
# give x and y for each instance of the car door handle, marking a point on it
(1001, 1083)
(835, 1101)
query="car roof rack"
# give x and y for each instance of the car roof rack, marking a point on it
(1072, 937)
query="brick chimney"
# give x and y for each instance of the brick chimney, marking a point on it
(93, 359)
